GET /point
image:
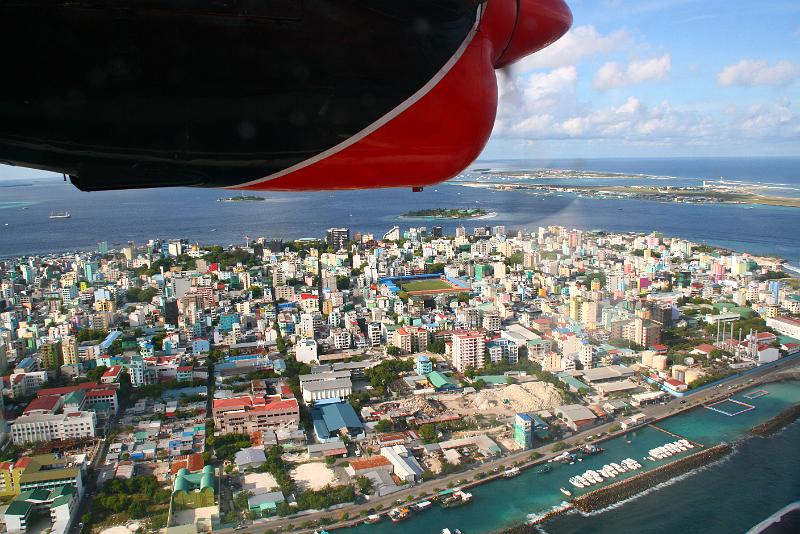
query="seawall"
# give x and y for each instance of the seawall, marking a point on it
(625, 489)
(776, 423)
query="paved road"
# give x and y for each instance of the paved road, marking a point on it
(656, 412)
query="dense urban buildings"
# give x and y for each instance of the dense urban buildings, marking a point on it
(193, 358)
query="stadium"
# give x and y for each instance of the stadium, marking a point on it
(424, 285)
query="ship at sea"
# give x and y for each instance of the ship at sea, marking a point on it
(60, 215)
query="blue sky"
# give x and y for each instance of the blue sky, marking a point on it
(658, 78)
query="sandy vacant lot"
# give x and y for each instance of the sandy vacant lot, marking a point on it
(258, 481)
(313, 476)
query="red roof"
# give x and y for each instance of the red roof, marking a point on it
(192, 462)
(23, 462)
(101, 393)
(185, 368)
(370, 463)
(279, 405)
(66, 390)
(675, 382)
(234, 402)
(705, 347)
(43, 403)
(114, 370)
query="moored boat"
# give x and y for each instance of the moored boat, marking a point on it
(457, 498)
(399, 514)
(566, 492)
(512, 472)
(372, 518)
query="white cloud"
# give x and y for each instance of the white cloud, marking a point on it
(578, 43)
(611, 75)
(751, 72)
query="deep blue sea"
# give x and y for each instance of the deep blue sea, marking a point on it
(120, 216)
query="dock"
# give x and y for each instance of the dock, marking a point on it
(677, 436)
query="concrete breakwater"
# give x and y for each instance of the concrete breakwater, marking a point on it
(624, 489)
(776, 423)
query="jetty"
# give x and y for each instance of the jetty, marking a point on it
(776, 423)
(625, 489)
(676, 436)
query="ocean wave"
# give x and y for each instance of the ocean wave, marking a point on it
(536, 516)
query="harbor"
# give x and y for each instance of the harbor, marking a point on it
(534, 495)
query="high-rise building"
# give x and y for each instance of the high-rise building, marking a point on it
(69, 350)
(523, 430)
(468, 350)
(51, 355)
(337, 237)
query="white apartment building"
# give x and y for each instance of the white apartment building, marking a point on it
(467, 350)
(32, 428)
(503, 349)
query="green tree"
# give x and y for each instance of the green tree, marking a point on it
(384, 425)
(428, 433)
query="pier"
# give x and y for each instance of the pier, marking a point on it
(677, 436)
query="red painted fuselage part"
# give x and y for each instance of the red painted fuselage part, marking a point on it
(447, 127)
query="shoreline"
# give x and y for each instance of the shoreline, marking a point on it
(526, 462)
(686, 195)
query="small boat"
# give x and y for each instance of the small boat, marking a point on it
(399, 514)
(512, 472)
(566, 492)
(450, 531)
(372, 519)
(60, 215)
(457, 498)
(591, 449)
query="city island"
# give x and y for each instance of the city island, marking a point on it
(361, 379)
(710, 192)
(448, 213)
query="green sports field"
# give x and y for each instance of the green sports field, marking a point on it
(425, 285)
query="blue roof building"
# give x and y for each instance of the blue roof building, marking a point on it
(333, 418)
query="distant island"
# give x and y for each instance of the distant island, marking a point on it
(242, 198)
(448, 213)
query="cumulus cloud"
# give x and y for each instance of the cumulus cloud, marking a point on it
(751, 72)
(578, 43)
(545, 106)
(611, 75)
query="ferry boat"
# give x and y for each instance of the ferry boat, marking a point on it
(372, 519)
(566, 492)
(422, 505)
(512, 472)
(399, 514)
(457, 498)
(60, 215)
